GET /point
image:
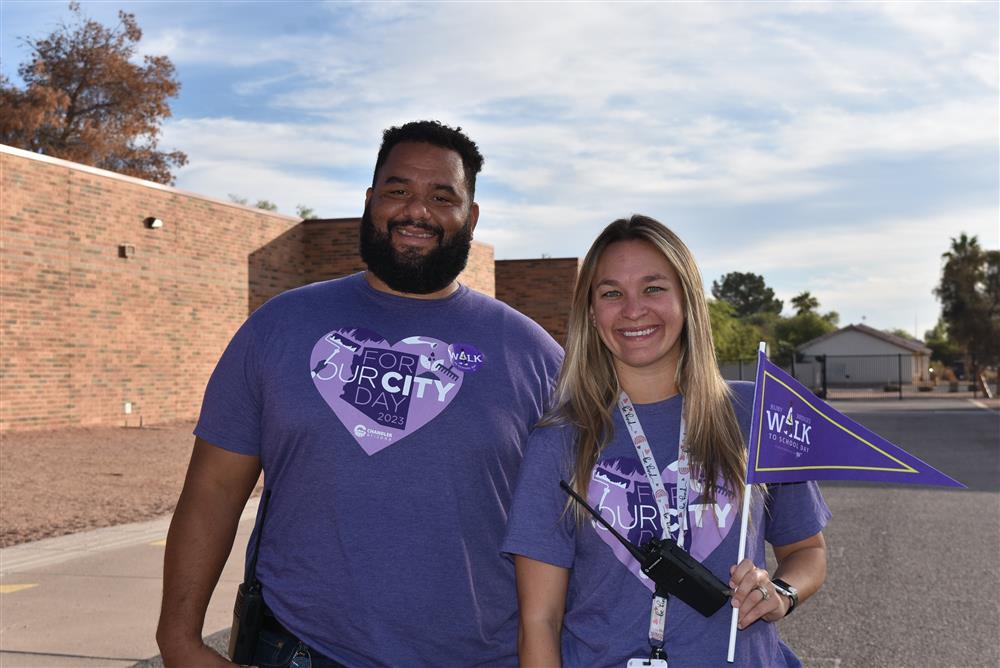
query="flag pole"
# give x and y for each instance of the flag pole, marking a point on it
(744, 519)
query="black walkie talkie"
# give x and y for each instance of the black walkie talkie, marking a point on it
(670, 567)
(248, 612)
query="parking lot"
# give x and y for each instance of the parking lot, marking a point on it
(914, 575)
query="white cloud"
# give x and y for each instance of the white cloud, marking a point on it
(269, 143)
(855, 245)
(883, 269)
(695, 112)
(285, 188)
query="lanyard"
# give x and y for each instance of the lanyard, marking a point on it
(658, 613)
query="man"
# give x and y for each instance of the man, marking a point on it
(388, 411)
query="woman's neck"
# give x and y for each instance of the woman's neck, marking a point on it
(647, 386)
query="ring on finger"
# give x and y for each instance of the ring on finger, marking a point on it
(764, 593)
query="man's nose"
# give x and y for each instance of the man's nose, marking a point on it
(416, 209)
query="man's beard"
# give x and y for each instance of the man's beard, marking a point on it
(414, 272)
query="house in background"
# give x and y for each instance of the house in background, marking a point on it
(859, 355)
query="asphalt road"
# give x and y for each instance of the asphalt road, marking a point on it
(914, 572)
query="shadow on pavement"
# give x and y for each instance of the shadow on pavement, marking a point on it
(217, 641)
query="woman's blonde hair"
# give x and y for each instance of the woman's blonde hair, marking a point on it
(587, 391)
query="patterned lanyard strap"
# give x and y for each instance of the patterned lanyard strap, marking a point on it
(658, 613)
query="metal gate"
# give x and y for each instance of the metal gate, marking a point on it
(834, 377)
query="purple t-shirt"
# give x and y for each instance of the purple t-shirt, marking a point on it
(390, 431)
(608, 600)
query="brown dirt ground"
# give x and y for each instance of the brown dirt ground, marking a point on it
(59, 482)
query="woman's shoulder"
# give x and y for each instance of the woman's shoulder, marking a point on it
(741, 393)
(553, 432)
(550, 447)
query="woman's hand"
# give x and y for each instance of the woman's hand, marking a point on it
(801, 564)
(754, 594)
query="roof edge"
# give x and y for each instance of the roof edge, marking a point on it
(96, 171)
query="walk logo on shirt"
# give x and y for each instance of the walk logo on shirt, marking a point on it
(620, 491)
(384, 392)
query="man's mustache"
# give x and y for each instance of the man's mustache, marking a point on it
(427, 227)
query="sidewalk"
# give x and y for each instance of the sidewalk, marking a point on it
(93, 598)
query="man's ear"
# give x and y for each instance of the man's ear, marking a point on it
(368, 196)
(474, 215)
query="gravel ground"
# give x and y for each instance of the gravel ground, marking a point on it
(59, 482)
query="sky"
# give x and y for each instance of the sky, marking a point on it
(834, 148)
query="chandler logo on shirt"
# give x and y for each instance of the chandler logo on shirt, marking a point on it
(383, 392)
(620, 491)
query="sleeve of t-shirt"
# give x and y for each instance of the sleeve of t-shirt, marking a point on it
(231, 408)
(538, 527)
(797, 511)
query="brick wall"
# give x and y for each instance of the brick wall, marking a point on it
(541, 289)
(83, 330)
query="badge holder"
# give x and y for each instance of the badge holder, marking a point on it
(657, 659)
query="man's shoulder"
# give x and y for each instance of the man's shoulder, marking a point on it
(306, 295)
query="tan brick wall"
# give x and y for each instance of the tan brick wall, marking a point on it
(83, 330)
(541, 289)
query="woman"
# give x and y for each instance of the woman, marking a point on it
(640, 338)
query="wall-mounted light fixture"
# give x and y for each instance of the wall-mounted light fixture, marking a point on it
(153, 223)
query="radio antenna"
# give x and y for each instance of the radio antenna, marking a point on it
(636, 552)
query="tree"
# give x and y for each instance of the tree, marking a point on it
(790, 333)
(804, 302)
(266, 205)
(969, 292)
(899, 332)
(304, 212)
(943, 349)
(747, 293)
(85, 100)
(734, 338)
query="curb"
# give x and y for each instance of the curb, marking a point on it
(49, 551)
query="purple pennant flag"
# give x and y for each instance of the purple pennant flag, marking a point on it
(796, 436)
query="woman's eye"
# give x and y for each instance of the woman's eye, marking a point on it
(611, 294)
(654, 288)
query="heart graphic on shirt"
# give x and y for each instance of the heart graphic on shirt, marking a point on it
(382, 393)
(620, 491)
